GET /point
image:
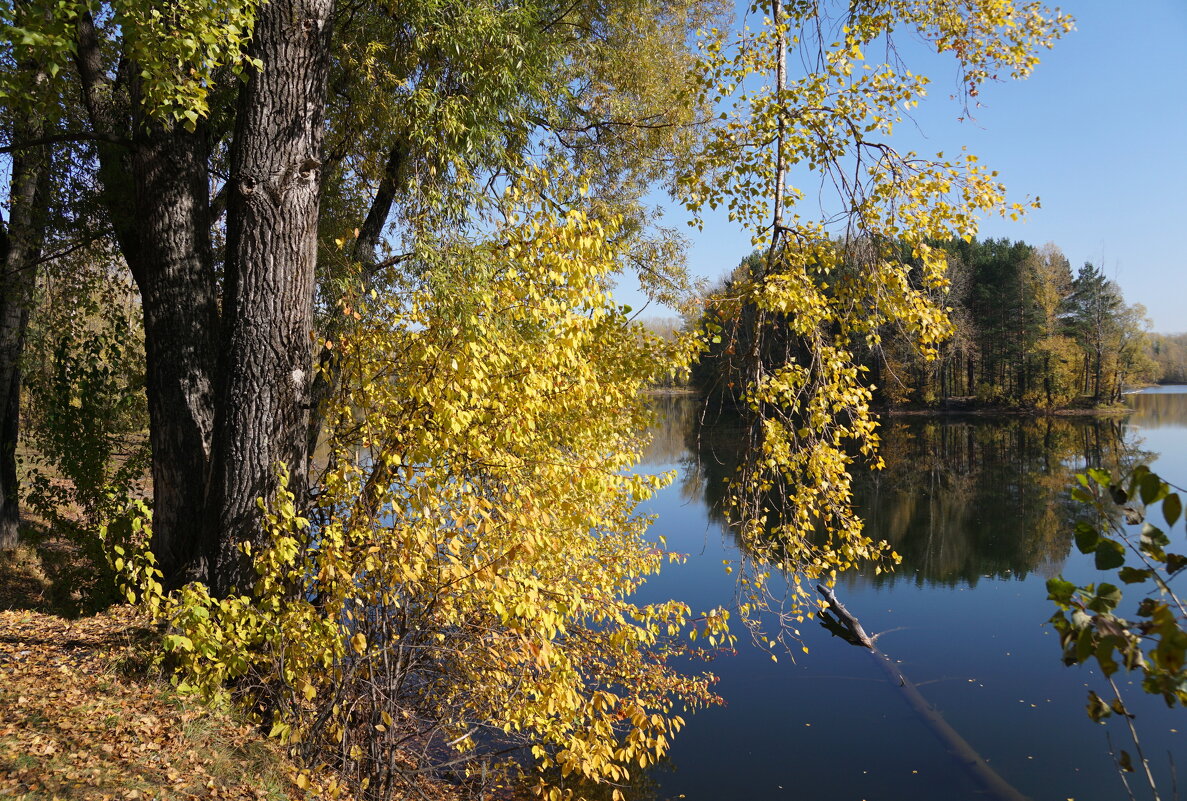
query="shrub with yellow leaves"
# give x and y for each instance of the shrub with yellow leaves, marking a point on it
(462, 588)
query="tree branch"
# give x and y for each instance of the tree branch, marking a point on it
(371, 230)
(80, 136)
(96, 86)
(218, 204)
(363, 251)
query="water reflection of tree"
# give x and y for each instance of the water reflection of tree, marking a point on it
(959, 499)
(1159, 409)
(676, 415)
(962, 500)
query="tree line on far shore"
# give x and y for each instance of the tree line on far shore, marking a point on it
(1170, 354)
(1026, 332)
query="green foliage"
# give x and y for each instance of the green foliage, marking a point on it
(42, 27)
(182, 51)
(1123, 536)
(1025, 334)
(443, 95)
(1111, 336)
(1029, 334)
(86, 414)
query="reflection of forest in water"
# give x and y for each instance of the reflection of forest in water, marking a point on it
(959, 498)
(965, 499)
(1159, 408)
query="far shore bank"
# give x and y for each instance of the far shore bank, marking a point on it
(956, 407)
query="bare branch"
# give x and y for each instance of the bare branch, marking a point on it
(79, 136)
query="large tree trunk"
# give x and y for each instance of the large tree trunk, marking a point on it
(156, 192)
(266, 356)
(173, 271)
(20, 248)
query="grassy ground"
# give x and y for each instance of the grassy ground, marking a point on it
(82, 716)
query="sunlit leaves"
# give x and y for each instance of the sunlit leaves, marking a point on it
(1154, 639)
(807, 113)
(181, 50)
(466, 574)
(493, 409)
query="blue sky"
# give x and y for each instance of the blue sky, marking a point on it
(1098, 133)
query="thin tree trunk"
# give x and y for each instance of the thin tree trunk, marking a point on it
(263, 394)
(21, 243)
(365, 253)
(849, 628)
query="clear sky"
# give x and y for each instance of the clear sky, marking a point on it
(1098, 133)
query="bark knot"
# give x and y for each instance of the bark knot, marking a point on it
(309, 168)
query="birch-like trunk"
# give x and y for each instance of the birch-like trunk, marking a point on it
(21, 242)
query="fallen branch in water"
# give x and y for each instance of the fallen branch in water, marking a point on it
(847, 626)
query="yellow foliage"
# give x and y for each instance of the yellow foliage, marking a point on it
(816, 299)
(475, 539)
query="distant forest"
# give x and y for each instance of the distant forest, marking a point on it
(1169, 352)
(1029, 332)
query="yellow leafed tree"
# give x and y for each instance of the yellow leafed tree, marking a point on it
(805, 159)
(462, 584)
(463, 587)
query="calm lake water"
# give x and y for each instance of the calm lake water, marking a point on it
(979, 510)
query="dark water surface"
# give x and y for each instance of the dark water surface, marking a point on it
(979, 510)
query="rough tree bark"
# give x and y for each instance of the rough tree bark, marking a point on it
(178, 292)
(156, 192)
(266, 355)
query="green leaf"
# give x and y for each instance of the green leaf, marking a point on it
(1109, 554)
(176, 642)
(1106, 599)
(1087, 537)
(1104, 656)
(1172, 507)
(1151, 487)
(1085, 643)
(1059, 590)
(1148, 607)
(1132, 575)
(1153, 540)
